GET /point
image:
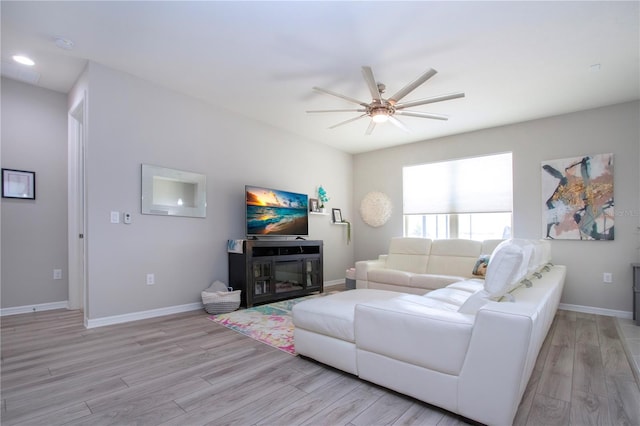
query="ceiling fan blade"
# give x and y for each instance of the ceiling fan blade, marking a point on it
(430, 100)
(372, 125)
(347, 98)
(423, 115)
(412, 86)
(338, 110)
(399, 124)
(371, 83)
(348, 121)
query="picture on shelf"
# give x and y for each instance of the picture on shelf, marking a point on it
(337, 215)
(313, 205)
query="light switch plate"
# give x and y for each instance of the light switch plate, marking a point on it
(115, 217)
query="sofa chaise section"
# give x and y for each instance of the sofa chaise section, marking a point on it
(325, 331)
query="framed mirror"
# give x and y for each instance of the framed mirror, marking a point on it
(170, 192)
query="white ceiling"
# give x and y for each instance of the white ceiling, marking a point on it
(515, 61)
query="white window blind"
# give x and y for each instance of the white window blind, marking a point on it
(470, 185)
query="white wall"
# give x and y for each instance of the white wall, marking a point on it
(34, 232)
(610, 129)
(130, 122)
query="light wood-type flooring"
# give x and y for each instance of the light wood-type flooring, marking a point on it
(186, 370)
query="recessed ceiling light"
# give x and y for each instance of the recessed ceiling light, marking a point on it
(21, 59)
(64, 43)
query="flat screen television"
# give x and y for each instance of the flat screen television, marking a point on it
(273, 212)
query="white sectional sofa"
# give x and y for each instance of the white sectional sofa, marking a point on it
(469, 347)
(418, 265)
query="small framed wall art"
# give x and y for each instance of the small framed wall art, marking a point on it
(313, 205)
(337, 215)
(18, 184)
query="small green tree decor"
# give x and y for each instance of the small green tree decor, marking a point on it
(322, 196)
(348, 230)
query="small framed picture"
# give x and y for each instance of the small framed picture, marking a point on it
(18, 184)
(313, 204)
(337, 215)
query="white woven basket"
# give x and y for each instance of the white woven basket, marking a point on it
(220, 302)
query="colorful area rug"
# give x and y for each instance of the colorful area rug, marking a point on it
(271, 324)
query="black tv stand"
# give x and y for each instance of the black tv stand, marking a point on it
(268, 271)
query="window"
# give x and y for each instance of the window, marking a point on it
(473, 226)
(469, 198)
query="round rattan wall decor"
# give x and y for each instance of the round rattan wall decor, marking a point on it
(375, 209)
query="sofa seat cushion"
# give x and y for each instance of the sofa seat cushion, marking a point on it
(390, 276)
(428, 302)
(333, 315)
(449, 296)
(432, 281)
(471, 286)
(406, 330)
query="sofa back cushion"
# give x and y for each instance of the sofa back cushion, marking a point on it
(409, 254)
(507, 267)
(540, 257)
(488, 246)
(509, 264)
(453, 257)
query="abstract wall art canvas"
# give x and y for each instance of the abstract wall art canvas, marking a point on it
(577, 198)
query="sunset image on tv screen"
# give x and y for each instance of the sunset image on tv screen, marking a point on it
(275, 212)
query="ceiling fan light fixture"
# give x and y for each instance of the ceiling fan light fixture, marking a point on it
(381, 109)
(379, 115)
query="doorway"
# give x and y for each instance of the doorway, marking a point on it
(77, 209)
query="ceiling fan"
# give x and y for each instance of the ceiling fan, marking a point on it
(385, 109)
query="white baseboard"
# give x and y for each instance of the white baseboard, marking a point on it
(34, 308)
(135, 316)
(594, 310)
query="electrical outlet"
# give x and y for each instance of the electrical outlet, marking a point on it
(151, 279)
(57, 274)
(607, 277)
